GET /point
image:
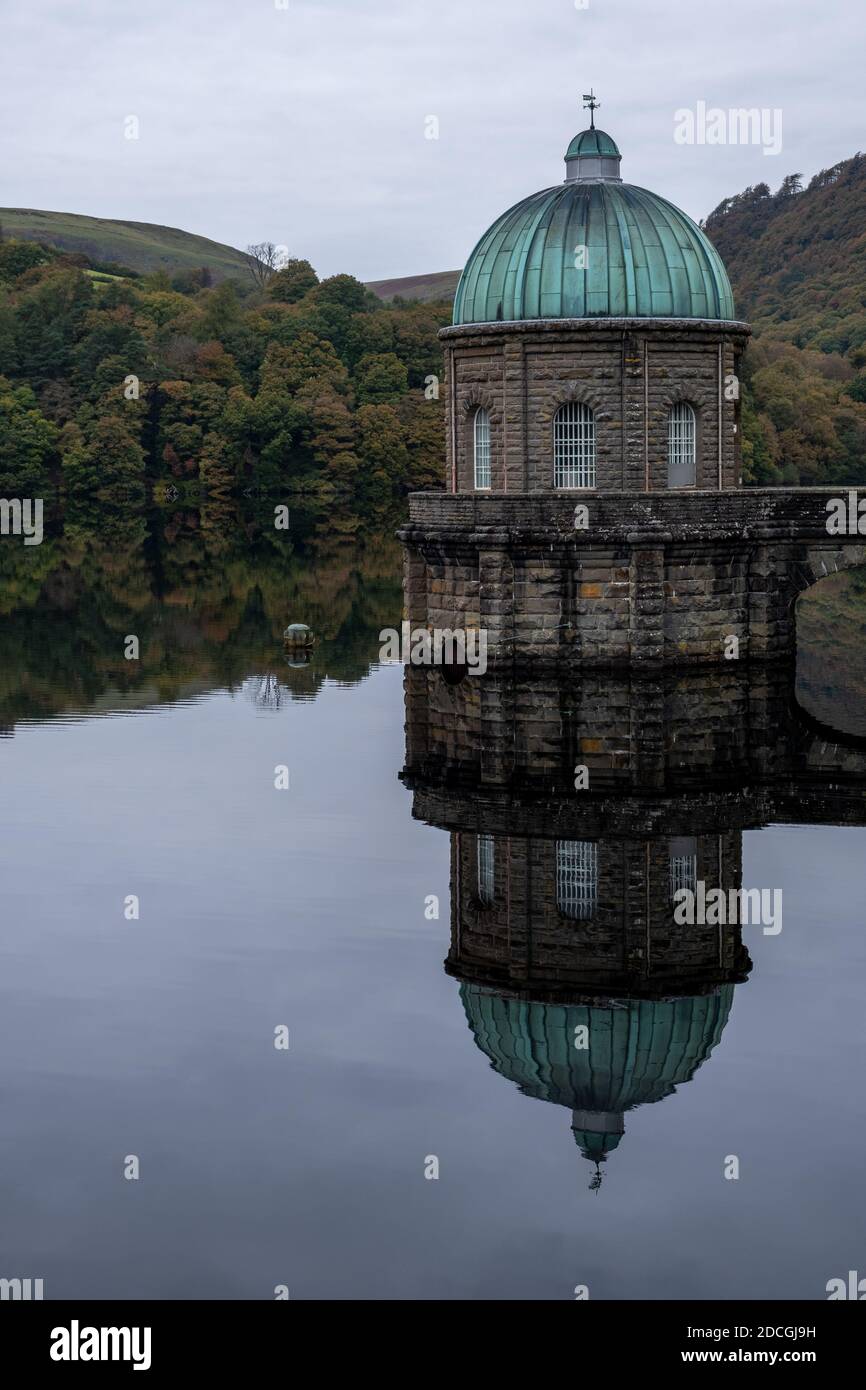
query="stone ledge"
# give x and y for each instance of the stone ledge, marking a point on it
(765, 515)
(506, 327)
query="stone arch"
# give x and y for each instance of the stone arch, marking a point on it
(817, 667)
(821, 560)
(477, 398)
(695, 396)
(812, 563)
(822, 746)
(572, 393)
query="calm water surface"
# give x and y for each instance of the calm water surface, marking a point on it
(306, 908)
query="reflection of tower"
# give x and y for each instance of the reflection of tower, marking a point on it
(598, 1059)
(589, 915)
(578, 982)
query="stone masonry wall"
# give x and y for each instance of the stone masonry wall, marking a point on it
(629, 371)
(670, 577)
(523, 940)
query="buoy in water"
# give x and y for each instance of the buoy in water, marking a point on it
(299, 637)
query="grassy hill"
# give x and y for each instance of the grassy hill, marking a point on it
(145, 246)
(427, 289)
(141, 246)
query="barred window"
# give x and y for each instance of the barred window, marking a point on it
(574, 446)
(681, 445)
(486, 855)
(683, 852)
(577, 878)
(482, 448)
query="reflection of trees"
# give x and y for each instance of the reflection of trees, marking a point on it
(208, 592)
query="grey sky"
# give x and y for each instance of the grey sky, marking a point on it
(306, 125)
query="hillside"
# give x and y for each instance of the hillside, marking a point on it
(111, 385)
(798, 270)
(797, 257)
(427, 289)
(141, 246)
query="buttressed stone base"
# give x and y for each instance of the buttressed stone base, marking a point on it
(614, 578)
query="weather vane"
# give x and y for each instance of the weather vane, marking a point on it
(590, 103)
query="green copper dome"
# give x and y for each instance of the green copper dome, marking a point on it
(592, 142)
(593, 247)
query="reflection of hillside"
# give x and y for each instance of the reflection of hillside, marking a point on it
(831, 652)
(209, 607)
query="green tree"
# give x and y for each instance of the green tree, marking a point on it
(381, 376)
(27, 439)
(108, 460)
(383, 451)
(345, 292)
(16, 257)
(292, 282)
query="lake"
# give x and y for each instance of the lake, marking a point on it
(420, 1024)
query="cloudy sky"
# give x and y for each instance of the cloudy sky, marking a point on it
(305, 122)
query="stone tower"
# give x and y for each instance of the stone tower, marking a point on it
(585, 316)
(592, 374)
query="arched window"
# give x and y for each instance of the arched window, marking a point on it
(577, 878)
(681, 445)
(574, 446)
(482, 449)
(485, 851)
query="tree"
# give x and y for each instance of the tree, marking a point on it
(857, 389)
(18, 256)
(383, 451)
(222, 311)
(263, 262)
(791, 183)
(307, 359)
(50, 319)
(27, 439)
(346, 292)
(217, 470)
(380, 376)
(292, 281)
(424, 425)
(111, 462)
